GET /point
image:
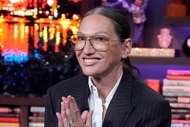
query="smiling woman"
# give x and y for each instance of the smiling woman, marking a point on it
(107, 93)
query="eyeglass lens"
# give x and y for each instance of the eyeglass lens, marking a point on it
(98, 42)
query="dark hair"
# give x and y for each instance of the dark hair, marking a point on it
(120, 21)
(121, 27)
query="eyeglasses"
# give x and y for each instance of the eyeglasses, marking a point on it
(98, 42)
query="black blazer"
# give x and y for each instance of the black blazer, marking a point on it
(133, 105)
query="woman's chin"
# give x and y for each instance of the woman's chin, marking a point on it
(89, 72)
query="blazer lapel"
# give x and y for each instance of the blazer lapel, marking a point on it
(81, 93)
(120, 107)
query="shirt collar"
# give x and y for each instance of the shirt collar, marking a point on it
(112, 92)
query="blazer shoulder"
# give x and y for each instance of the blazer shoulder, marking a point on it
(69, 83)
(144, 92)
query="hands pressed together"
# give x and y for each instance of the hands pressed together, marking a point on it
(70, 115)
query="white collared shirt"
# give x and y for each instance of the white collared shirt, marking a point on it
(95, 102)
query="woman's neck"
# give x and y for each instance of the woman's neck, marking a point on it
(106, 83)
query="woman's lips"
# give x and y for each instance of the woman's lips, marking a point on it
(90, 61)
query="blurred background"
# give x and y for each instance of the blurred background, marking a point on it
(35, 52)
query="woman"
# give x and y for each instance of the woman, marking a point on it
(107, 94)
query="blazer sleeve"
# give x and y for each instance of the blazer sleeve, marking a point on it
(50, 113)
(151, 109)
(159, 115)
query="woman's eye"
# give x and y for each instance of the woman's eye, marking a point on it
(81, 38)
(101, 39)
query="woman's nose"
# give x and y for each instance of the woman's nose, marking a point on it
(88, 48)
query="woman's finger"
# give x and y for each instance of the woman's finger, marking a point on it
(69, 114)
(76, 113)
(89, 119)
(60, 120)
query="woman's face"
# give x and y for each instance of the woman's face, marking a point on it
(99, 63)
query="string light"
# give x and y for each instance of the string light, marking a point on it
(32, 36)
(44, 29)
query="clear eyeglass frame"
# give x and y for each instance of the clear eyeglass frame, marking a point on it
(98, 42)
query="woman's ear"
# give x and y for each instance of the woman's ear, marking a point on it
(127, 45)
